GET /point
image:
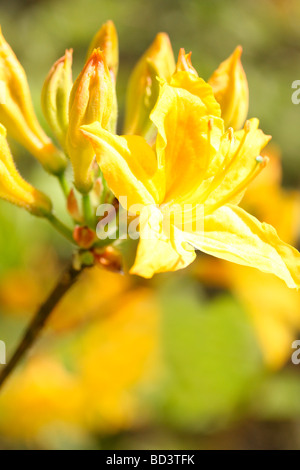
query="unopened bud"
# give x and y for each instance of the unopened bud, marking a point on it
(84, 237)
(55, 96)
(106, 39)
(91, 100)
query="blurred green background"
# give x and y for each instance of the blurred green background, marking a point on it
(204, 382)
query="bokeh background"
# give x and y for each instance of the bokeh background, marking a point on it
(199, 359)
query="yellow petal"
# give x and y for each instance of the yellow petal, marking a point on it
(157, 252)
(142, 91)
(198, 87)
(17, 113)
(14, 189)
(232, 234)
(186, 77)
(128, 164)
(91, 100)
(185, 145)
(230, 87)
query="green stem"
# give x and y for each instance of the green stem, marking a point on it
(87, 210)
(64, 184)
(60, 227)
(104, 190)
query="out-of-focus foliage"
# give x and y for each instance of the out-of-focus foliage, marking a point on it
(174, 362)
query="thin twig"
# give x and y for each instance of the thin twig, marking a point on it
(66, 281)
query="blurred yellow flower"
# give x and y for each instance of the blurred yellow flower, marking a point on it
(113, 358)
(19, 291)
(42, 394)
(17, 113)
(118, 356)
(95, 293)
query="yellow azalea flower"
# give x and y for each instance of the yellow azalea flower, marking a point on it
(143, 88)
(14, 188)
(55, 96)
(17, 113)
(91, 100)
(230, 87)
(195, 162)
